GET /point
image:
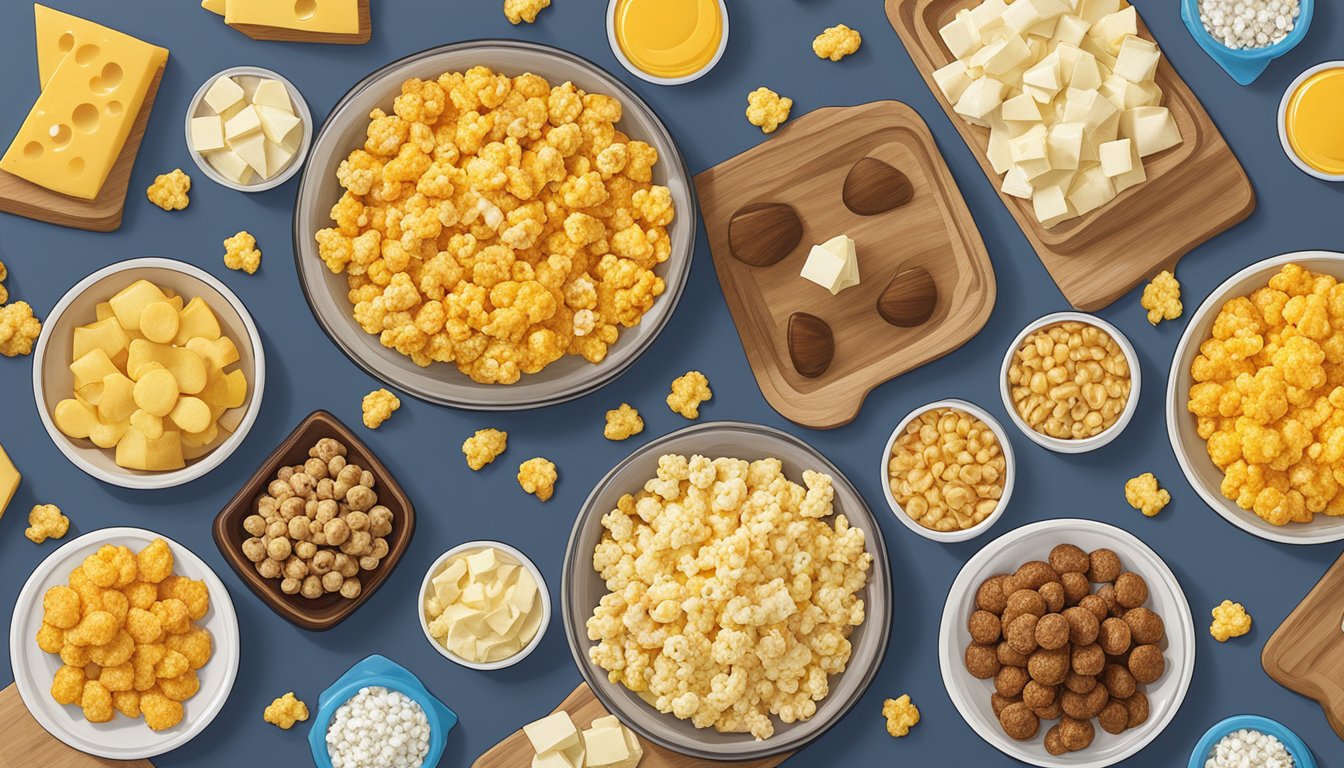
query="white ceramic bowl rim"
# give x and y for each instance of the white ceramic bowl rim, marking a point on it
(1283, 121)
(203, 465)
(1110, 433)
(656, 80)
(301, 110)
(523, 560)
(1010, 472)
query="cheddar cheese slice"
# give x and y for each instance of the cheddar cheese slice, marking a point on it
(332, 16)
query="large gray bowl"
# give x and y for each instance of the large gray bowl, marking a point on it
(583, 588)
(442, 383)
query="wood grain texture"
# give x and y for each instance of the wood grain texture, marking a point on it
(101, 214)
(282, 35)
(805, 166)
(27, 744)
(583, 708)
(1193, 192)
(1306, 653)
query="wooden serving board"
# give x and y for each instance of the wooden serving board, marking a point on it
(583, 708)
(101, 214)
(805, 166)
(282, 35)
(1194, 191)
(27, 744)
(1306, 652)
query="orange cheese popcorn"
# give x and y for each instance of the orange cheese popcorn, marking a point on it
(767, 109)
(688, 392)
(1229, 620)
(836, 42)
(1162, 298)
(537, 477)
(622, 423)
(484, 447)
(241, 253)
(519, 11)
(169, 190)
(901, 715)
(285, 711)
(378, 407)
(45, 521)
(18, 329)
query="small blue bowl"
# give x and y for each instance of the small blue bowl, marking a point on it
(1245, 65)
(380, 671)
(1296, 747)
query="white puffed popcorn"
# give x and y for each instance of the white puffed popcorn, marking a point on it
(1249, 23)
(378, 728)
(1249, 749)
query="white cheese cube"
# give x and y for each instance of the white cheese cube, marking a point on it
(1126, 95)
(552, 760)
(225, 93)
(1034, 169)
(207, 134)
(605, 747)
(1065, 144)
(980, 99)
(987, 13)
(960, 36)
(1044, 29)
(1009, 54)
(1111, 30)
(1015, 183)
(1092, 11)
(230, 166)
(952, 80)
(1070, 30)
(1045, 74)
(1021, 16)
(1021, 107)
(1105, 56)
(551, 733)
(999, 155)
(1133, 177)
(1051, 9)
(1091, 190)
(1086, 74)
(1050, 205)
(277, 158)
(842, 247)
(1116, 157)
(1078, 105)
(1068, 56)
(278, 125)
(252, 148)
(244, 123)
(824, 268)
(1031, 145)
(1137, 61)
(482, 562)
(1152, 128)
(274, 94)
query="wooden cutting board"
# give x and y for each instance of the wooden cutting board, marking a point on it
(1306, 652)
(1193, 192)
(583, 708)
(805, 166)
(26, 744)
(282, 35)
(101, 214)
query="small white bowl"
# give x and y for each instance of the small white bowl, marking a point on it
(1283, 122)
(53, 381)
(121, 738)
(248, 78)
(1088, 443)
(645, 76)
(544, 595)
(1010, 473)
(1191, 450)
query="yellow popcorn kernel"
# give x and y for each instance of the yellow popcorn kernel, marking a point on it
(1143, 494)
(688, 392)
(767, 109)
(518, 11)
(1229, 620)
(537, 477)
(901, 714)
(169, 190)
(4, 292)
(18, 329)
(622, 423)
(241, 253)
(836, 42)
(484, 447)
(378, 407)
(1162, 298)
(45, 521)
(285, 711)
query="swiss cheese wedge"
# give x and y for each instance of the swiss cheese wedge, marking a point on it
(332, 16)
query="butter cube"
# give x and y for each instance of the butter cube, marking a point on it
(9, 480)
(1031, 145)
(1116, 157)
(1152, 128)
(981, 98)
(1007, 55)
(277, 124)
(277, 158)
(1015, 183)
(552, 760)
(1052, 9)
(1065, 144)
(961, 36)
(1110, 30)
(1069, 30)
(1086, 73)
(1092, 11)
(252, 149)
(231, 166)
(832, 265)
(1000, 157)
(482, 562)
(1050, 205)
(1137, 61)
(207, 134)
(605, 747)
(987, 13)
(1021, 107)
(1045, 75)
(246, 122)
(553, 732)
(1091, 190)
(273, 94)
(1021, 16)
(1134, 176)
(223, 95)
(952, 80)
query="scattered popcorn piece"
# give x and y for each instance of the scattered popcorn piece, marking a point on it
(1162, 298)
(518, 11)
(169, 190)
(688, 392)
(836, 42)
(767, 109)
(1143, 494)
(901, 714)
(484, 447)
(241, 253)
(45, 521)
(285, 711)
(4, 292)
(622, 423)
(18, 329)
(378, 406)
(537, 477)
(1229, 620)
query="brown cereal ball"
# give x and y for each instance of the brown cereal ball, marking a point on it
(1114, 717)
(1019, 722)
(1052, 631)
(1021, 633)
(1025, 601)
(1137, 706)
(1083, 625)
(1146, 663)
(981, 662)
(1052, 712)
(1034, 575)
(1084, 706)
(1049, 667)
(1008, 657)
(999, 703)
(1118, 681)
(1088, 659)
(1103, 566)
(1080, 683)
(1096, 700)
(1145, 627)
(1054, 743)
(1073, 704)
(1010, 681)
(1095, 606)
(1131, 590)
(1067, 558)
(984, 627)
(1114, 636)
(1107, 593)
(1053, 592)
(1038, 696)
(1076, 734)
(1076, 587)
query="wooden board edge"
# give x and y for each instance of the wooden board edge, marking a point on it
(10, 694)
(1269, 652)
(283, 35)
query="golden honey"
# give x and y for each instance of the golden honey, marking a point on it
(1314, 121)
(669, 39)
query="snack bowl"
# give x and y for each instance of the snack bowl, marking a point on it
(1297, 749)
(1191, 450)
(382, 672)
(1086, 444)
(53, 381)
(121, 738)
(543, 596)
(1034, 542)
(1245, 64)
(1010, 472)
(248, 78)
(584, 587)
(442, 383)
(630, 67)
(1284, 140)
(331, 608)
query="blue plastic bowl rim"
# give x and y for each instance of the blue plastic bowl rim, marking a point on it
(1302, 757)
(1190, 15)
(409, 685)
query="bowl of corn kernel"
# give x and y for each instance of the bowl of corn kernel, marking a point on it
(494, 225)
(1255, 400)
(948, 471)
(1070, 382)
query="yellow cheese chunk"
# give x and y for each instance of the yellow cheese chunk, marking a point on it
(198, 439)
(214, 6)
(273, 94)
(230, 166)
(191, 414)
(92, 368)
(9, 480)
(139, 451)
(106, 334)
(230, 419)
(74, 418)
(148, 423)
(159, 322)
(222, 351)
(132, 300)
(118, 400)
(187, 367)
(156, 393)
(237, 389)
(334, 16)
(103, 310)
(197, 320)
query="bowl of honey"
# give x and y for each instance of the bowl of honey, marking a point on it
(1310, 117)
(668, 42)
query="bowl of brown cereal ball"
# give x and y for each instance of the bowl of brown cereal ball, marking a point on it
(1255, 399)
(494, 225)
(1070, 382)
(1067, 643)
(948, 471)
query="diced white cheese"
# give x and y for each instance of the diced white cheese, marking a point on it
(277, 158)
(831, 266)
(1021, 107)
(1086, 73)
(1152, 128)
(1092, 11)
(952, 80)
(207, 134)
(553, 732)
(1031, 145)
(1044, 29)
(1044, 74)
(273, 93)
(1051, 9)
(1050, 205)
(1110, 31)
(981, 98)
(1137, 61)
(605, 746)
(230, 166)
(1116, 157)
(245, 122)
(960, 36)
(277, 124)
(1065, 145)
(1011, 52)
(225, 93)
(1021, 16)
(1035, 169)
(1070, 30)
(1091, 190)
(252, 148)
(986, 13)
(1015, 183)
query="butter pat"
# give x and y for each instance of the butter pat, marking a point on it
(1116, 157)
(1151, 128)
(245, 122)
(277, 124)
(552, 733)
(611, 745)
(274, 94)
(252, 149)
(833, 265)
(230, 166)
(207, 134)
(224, 95)
(9, 480)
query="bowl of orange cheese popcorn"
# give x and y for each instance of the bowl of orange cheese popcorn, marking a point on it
(494, 225)
(1255, 402)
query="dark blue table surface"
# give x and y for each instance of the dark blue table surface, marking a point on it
(770, 45)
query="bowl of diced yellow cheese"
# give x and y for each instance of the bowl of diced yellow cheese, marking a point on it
(249, 129)
(148, 373)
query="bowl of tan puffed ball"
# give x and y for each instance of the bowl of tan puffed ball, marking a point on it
(1070, 382)
(494, 225)
(1255, 400)
(730, 535)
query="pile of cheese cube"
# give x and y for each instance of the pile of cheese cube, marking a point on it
(833, 265)
(606, 744)
(247, 134)
(1066, 89)
(484, 606)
